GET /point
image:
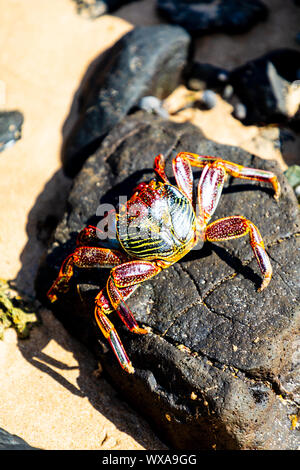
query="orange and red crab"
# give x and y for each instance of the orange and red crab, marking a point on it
(159, 225)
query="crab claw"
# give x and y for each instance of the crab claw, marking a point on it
(59, 286)
(109, 332)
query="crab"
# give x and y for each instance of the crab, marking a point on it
(158, 226)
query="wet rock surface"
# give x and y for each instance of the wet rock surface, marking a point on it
(269, 87)
(10, 128)
(207, 16)
(146, 61)
(219, 365)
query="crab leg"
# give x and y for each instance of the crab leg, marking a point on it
(121, 278)
(117, 300)
(210, 188)
(234, 169)
(83, 257)
(159, 168)
(102, 309)
(237, 226)
(184, 176)
(182, 172)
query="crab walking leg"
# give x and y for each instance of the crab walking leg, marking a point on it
(83, 257)
(184, 176)
(112, 336)
(122, 277)
(102, 309)
(234, 169)
(210, 188)
(61, 283)
(238, 226)
(122, 309)
(182, 171)
(254, 174)
(159, 168)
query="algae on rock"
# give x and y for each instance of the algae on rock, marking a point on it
(14, 311)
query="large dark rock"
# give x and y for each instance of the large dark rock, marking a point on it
(146, 61)
(269, 87)
(218, 369)
(209, 16)
(10, 128)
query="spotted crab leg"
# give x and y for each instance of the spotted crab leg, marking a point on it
(210, 187)
(184, 176)
(229, 228)
(102, 309)
(123, 280)
(125, 276)
(91, 257)
(233, 169)
(182, 171)
(83, 257)
(159, 168)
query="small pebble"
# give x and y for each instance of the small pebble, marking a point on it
(228, 92)
(151, 104)
(223, 76)
(240, 111)
(209, 99)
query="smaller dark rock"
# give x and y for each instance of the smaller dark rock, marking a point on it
(149, 60)
(269, 88)
(207, 16)
(199, 76)
(289, 142)
(12, 442)
(209, 99)
(10, 128)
